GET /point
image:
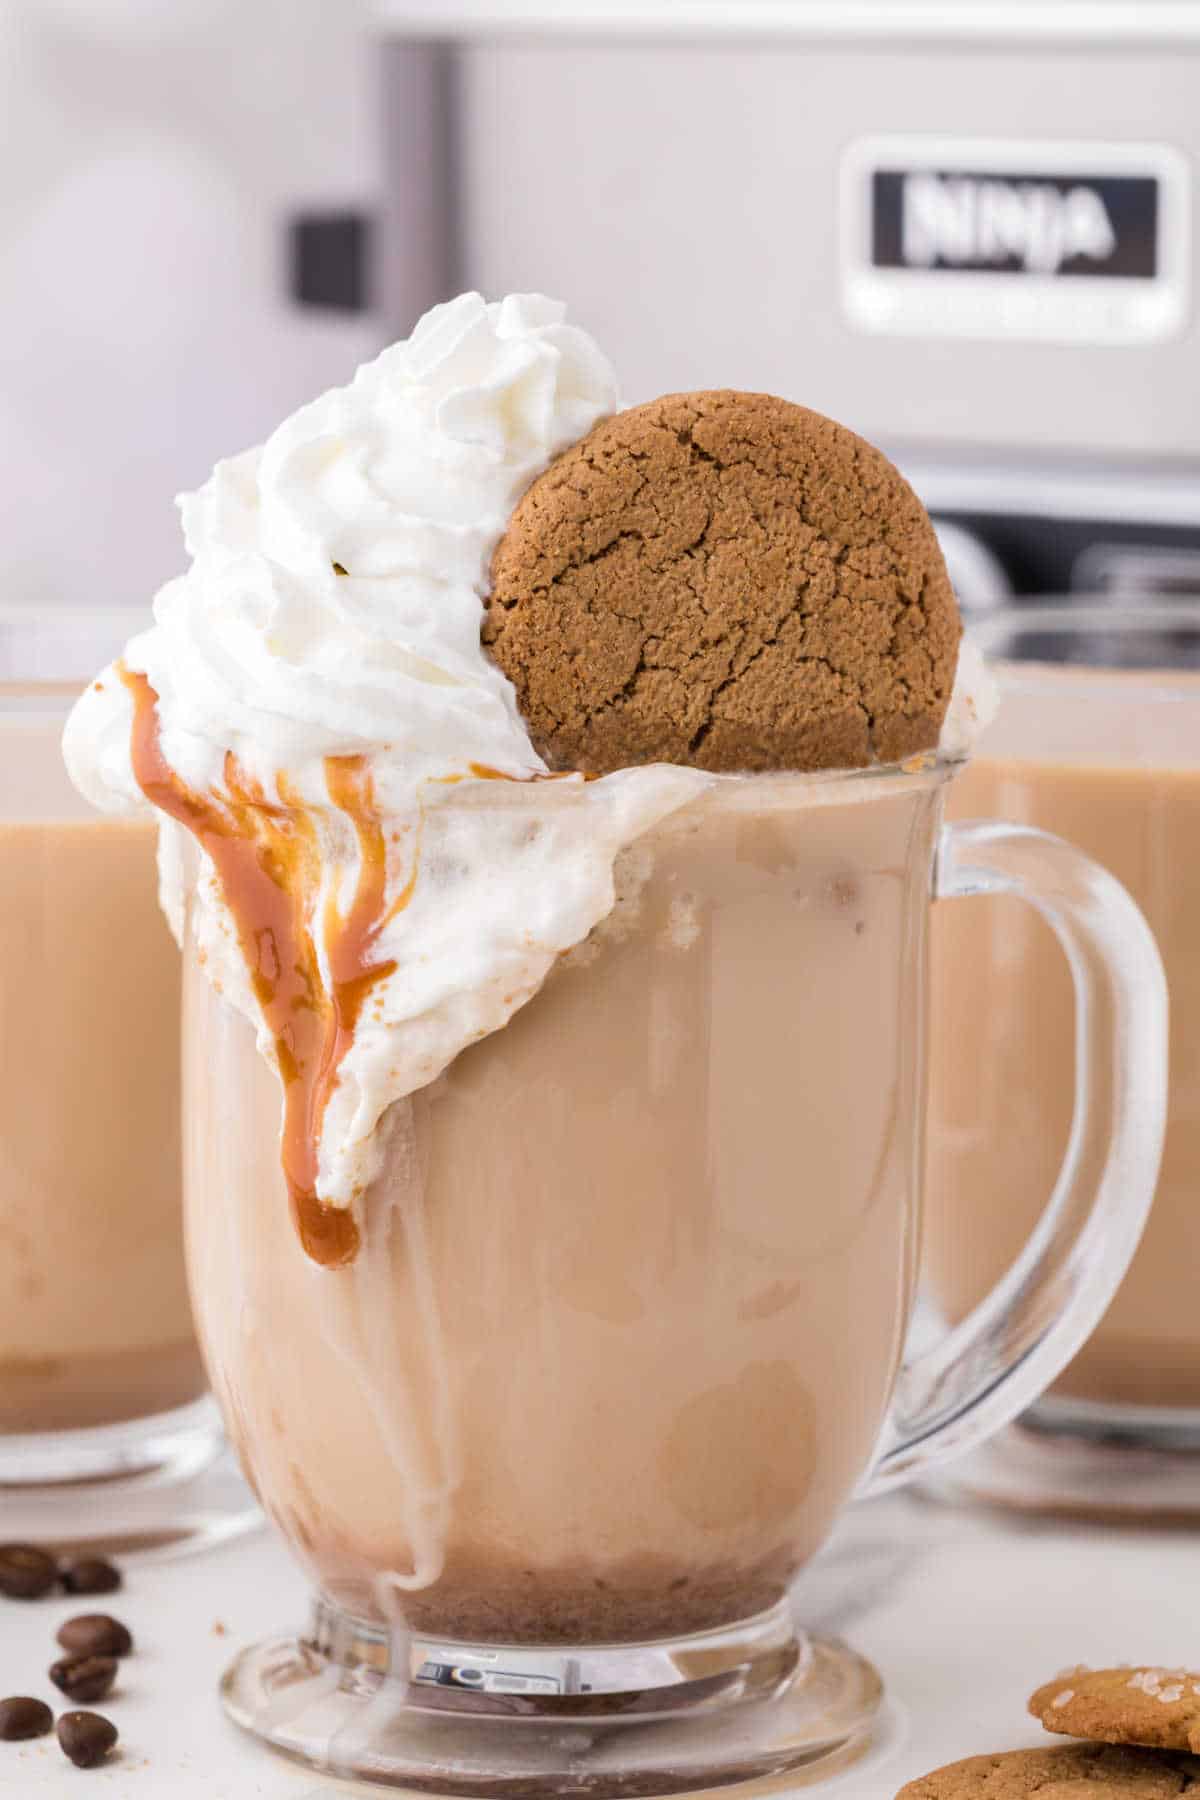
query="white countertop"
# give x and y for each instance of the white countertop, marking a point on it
(963, 1613)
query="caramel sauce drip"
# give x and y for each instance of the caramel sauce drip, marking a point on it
(485, 772)
(267, 861)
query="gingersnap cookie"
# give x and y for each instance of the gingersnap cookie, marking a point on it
(724, 580)
(1158, 1707)
(1066, 1772)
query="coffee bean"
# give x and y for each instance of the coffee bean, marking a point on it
(21, 1717)
(90, 1575)
(26, 1573)
(95, 1634)
(86, 1737)
(84, 1678)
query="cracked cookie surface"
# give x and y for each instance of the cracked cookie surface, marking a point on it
(1066, 1772)
(726, 580)
(1142, 1705)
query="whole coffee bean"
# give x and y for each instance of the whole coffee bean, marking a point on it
(21, 1717)
(95, 1634)
(90, 1575)
(26, 1573)
(86, 1737)
(84, 1678)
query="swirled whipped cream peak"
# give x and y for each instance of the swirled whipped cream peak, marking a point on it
(333, 600)
(377, 858)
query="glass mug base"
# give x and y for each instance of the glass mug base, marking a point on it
(160, 1485)
(757, 1698)
(1087, 1460)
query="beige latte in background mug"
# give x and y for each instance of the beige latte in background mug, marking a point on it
(95, 1326)
(1097, 739)
(101, 1379)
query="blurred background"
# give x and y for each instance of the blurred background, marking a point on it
(968, 229)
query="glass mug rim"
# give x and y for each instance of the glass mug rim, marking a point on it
(723, 792)
(1079, 612)
(48, 654)
(1000, 635)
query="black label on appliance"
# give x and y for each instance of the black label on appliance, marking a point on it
(989, 222)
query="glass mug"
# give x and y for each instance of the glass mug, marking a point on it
(104, 1410)
(1098, 739)
(626, 1329)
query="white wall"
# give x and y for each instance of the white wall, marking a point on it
(150, 152)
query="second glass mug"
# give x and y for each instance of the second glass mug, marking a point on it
(100, 1373)
(627, 1325)
(109, 1440)
(1098, 738)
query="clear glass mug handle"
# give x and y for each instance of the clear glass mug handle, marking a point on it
(952, 1396)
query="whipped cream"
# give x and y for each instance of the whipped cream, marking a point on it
(331, 610)
(266, 650)
(974, 702)
(405, 479)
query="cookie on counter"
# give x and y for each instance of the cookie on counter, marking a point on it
(1156, 1707)
(1064, 1772)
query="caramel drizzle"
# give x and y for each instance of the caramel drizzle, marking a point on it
(485, 772)
(267, 861)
